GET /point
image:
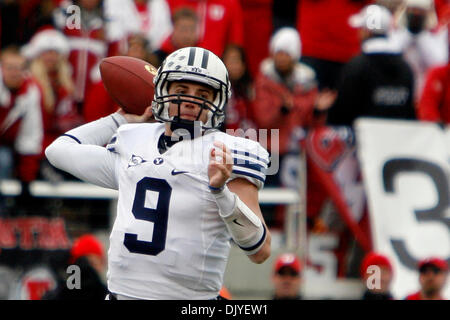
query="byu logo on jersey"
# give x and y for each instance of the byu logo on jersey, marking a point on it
(135, 160)
(158, 161)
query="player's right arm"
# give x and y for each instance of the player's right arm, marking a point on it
(238, 204)
(81, 151)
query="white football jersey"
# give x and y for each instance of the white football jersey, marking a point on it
(168, 240)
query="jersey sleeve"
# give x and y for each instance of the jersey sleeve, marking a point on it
(250, 161)
(90, 163)
(81, 152)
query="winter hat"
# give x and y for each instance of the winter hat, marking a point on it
(45, 40)
(287, 40)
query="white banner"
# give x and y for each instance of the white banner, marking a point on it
(405, 166)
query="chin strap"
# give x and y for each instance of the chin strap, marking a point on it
(184, 128)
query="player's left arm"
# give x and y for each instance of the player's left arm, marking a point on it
(238, 206)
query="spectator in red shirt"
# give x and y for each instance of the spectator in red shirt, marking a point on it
(21, 123)
(376, 289)
(220, 22)
(434, 103)
(286, 91)
(184, 34)
(328, 41)
(433, 274)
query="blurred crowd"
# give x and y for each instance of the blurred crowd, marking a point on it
(294, 65)
(376, 272)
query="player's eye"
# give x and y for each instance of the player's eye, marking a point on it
(180, 91)
(204, 95)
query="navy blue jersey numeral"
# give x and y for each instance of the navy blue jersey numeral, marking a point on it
(158, 216)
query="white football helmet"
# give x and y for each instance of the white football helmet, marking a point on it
(196, 65)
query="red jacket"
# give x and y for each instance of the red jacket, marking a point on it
(324, 28)
(258, 29)
(98, 103)
(221, 22)
(21, 127)
(270, 95)
(434, 104)
(63, 117)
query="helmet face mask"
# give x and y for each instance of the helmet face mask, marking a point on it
(192, 65)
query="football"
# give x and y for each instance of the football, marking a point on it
(129, 82)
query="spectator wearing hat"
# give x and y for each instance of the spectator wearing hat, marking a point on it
(47, 53)
(377, 290)
(286, 91)
(88, 254)
(286, 98)
(379, 82)
(433, 274)
(90, 247)
(287, 277)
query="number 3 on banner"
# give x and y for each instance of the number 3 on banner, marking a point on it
(158, 216)
(437, 213)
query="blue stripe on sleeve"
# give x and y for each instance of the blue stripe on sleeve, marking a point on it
(249, 165)
(70, 136)
(115, 121)
(251, 155)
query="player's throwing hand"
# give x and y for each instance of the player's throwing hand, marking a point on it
(220, 165)
(133, 118)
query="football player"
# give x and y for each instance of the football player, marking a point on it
(185, 188)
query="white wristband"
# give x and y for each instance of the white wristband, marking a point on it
(226, 201)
